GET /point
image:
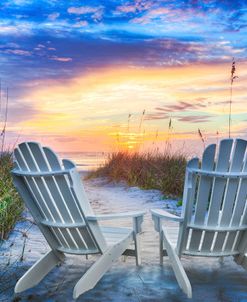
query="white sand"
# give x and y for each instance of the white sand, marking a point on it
(211, 280)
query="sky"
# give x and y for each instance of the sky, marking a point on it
(101, 75)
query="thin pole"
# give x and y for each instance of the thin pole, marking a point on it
(230, 111)
(232, 78)
(5, 119)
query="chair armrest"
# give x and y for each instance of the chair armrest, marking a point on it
(158, 215)
(116, 216)
(165, 215)
(136, 216)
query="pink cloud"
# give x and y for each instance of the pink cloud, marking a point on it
(156, 116)
(126, 8)
(163, 112)
(53, 16)
(139, 5)
(157, 13)
(141, 20)
(96, 12)
(18, 52)
(61, 59)
(194, 118)
(184, 105)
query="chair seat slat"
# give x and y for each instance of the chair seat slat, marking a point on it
(78, 251)
(210, 254)
(42, 173)
(218, 174)
(63, 225)
(217, 228)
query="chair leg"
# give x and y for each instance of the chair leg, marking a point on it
(241, 260)
(178, 269)
(244, 263)
(38, 271)
(137, 249)
(221, 260)
(100, 267)
(161, 245)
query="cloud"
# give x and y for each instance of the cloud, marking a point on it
(20, 2)
(82, 10)
(18, 30)
(183, 106)
(18, 52)
(53, 16)
(61, 59)
(9, 45)
(188, 118)
(161, 13)
(165, 112)
(138, 6)
(194, 118)
(96, 12)
(81, 24)
(157, 116)
(126, 8)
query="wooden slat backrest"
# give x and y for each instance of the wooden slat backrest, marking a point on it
(57, 199)
(204, 188)
(218, 189)
(236, 165)
(216, 219)
(188, 201)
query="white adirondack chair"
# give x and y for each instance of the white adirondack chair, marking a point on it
(214, 215)
(54, 194)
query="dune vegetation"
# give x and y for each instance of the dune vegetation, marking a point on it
(154, 169)
(150, 170)
(11, 205)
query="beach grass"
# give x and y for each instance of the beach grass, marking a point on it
(11, 205)
(150, 170)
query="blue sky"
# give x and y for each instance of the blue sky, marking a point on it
(62, 40)
(47, 38)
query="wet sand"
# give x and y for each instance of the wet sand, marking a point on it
(211, 280)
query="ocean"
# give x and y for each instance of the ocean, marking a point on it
(85, 161)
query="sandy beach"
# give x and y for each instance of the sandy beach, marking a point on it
(211, 280)
(132, 94)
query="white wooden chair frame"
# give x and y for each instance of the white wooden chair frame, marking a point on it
(53, 192)
(214, 215)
